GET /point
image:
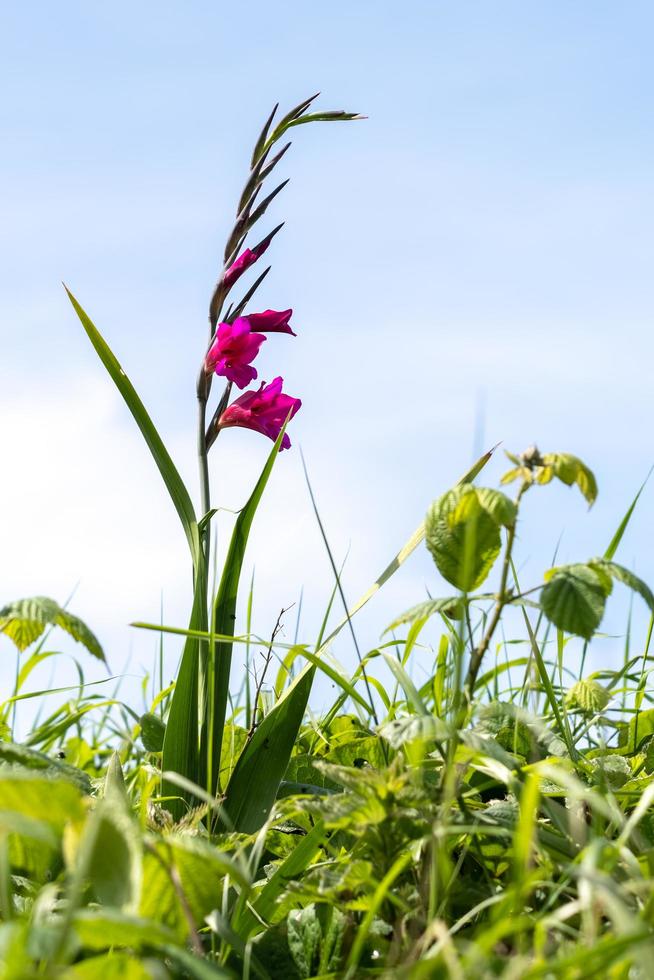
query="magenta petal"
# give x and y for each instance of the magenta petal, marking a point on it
(265, 411)
(272, 321)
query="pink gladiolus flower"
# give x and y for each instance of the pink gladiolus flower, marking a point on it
(265, 411)
(271, 321)
(233, 349)
(243, 262)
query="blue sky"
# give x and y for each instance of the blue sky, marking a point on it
(469, 265)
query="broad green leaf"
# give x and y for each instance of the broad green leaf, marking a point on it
(626, 577)
(109, 854)
(55, 802)
(169, 473)
(568, 469)
(574, 598)
(25, 620)
(463, 538)
(31, 759)
(15, 961)
(152, 732)
(588, 695)
(612, 770)
(224, 621)
(198, 867)
(496, 504)
(414, 728)
(416, 539)
(639, 729)
(112, 966)
(102, 928)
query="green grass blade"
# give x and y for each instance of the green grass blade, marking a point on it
(169, 473)
(265, 904)
(622, 527)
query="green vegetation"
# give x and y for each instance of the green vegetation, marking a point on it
(497, 819)
(494, 818)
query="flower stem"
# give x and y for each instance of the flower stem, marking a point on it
(203, 464)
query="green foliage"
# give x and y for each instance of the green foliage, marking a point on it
(588, 696)
(454, 813)
(152, 732)
(531, 467)
(25, 620)
(574, 599)
(463, 533)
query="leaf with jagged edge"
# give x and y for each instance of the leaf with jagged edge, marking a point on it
(452, 607)
(588, 696)
(570, 470)
(463, 537)
(574, 597)
(25, 620)
(627, 577)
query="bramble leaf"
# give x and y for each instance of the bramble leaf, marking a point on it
(25, 620)
(462, 530)
(574, 598)
(588, 696)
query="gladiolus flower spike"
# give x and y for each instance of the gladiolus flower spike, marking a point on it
(264, 411)
(236, 344)
(233, 349)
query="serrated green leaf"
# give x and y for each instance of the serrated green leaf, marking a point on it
(25, 620)
(452, 607)
(588, 695)
(627, 577)
(199, 869)
(568, 469)
(27, 758)
(463, 538)
(614, 770)
(574, 598)
(304, 938)
(414, 728)
(500, 507)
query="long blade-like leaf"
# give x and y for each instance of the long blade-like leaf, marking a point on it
(252, 788)
(167, 468)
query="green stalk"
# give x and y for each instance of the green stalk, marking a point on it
(203, 461)
(503, 597)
